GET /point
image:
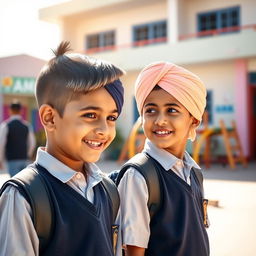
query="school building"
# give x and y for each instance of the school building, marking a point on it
(214, 39)
(17, 81)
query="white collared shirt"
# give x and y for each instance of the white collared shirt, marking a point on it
(18, 235)
(74, 179)
(134, 194)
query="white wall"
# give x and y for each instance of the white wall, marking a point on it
(125, 121)
(122, 22)
(77, 26)
(218, 77)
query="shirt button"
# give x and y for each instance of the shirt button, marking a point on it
(179, 163)
(79, 176)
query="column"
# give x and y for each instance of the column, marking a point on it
(173, 18)
(241, 103)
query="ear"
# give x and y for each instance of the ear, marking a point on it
(47, 116)
(140, 120)
(195, 122)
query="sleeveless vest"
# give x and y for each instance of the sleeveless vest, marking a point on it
(16, 142)
(79, 227)
(177, 228)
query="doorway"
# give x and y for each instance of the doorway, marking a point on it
(252, 120)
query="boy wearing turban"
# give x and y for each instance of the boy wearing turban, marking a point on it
(171, 101)
(79, 99)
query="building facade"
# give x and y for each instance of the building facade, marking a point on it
(214, 39)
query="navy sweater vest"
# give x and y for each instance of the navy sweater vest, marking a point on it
(80, 227)
(16, 142)
(177, 229)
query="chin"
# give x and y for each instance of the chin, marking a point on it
(92, 159)
(162, 145)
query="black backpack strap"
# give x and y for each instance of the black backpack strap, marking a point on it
(36, 191)
(200, 179)
(112, 191)
(146, 166)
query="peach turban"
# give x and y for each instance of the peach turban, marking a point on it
(182, 84)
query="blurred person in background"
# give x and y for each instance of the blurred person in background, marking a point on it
(17, 140)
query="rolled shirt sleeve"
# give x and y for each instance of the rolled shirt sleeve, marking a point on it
(135, 216)
(18, 235)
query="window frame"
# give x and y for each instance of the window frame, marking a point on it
(209, 106)
(219, 28)
(101, 45)
(151, 39)
(252, 78)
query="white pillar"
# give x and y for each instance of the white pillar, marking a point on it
(241, 101)
(173, 21)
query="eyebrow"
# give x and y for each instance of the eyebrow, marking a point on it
(166, 105)
(96, 109)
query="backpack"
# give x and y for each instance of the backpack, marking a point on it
(36, 191)
(147, 168)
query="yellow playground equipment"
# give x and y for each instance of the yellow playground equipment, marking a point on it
(133, 144)
(232, 144)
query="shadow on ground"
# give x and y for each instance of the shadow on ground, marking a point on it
(240, 173)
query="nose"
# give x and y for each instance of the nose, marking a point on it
(102, 128)
(161, 119)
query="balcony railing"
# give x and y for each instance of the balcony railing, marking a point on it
(215, 32)
(201, 34)
(134, 44)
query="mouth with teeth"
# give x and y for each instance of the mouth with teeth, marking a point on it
(162, 133)
(94, 144)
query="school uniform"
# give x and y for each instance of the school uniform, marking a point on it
(177, 228)
(82, 213)
(17, 143)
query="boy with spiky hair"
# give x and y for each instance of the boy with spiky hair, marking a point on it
(79, 100)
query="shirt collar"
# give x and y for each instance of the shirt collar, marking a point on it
(12, 117)
(166, 159)
(61, 171)
(190, 162)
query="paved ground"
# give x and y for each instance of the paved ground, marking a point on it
(233, 223)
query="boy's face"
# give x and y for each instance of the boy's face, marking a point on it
(85, 130)
(166, 122)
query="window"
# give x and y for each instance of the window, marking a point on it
(93, 41)
(150, 33)
(101, 41)
(209, 106)
(224, 20)
(252, 78)
(135, 110)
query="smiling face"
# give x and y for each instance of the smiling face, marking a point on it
(166, 122)
(85, 130)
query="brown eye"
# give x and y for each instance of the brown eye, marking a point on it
(89, 115)
(150, 110)
(112, 118)
(172, 110)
